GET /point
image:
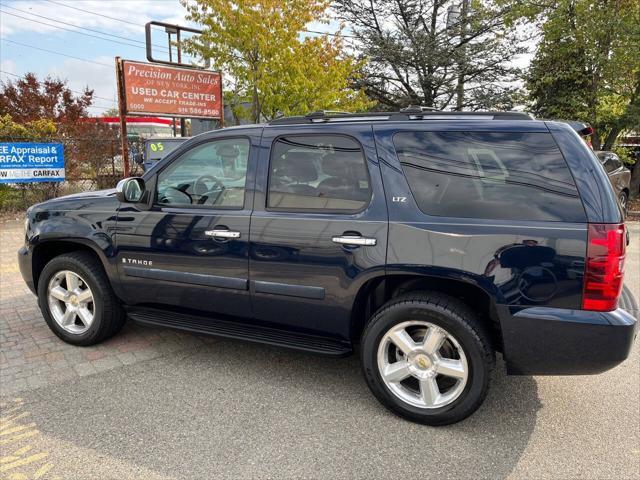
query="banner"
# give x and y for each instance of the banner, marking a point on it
(31, 162)
(171, 91)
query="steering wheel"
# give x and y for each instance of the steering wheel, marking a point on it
(173, 195)
(200, 188)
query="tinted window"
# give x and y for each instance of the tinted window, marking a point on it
(213, 174)
(318, 172)
(493, 175)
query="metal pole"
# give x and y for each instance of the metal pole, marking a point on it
(183, 124)
(122, 110)
(221, 122)
(173, 119)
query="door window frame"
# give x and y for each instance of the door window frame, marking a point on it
(156, 176)
(317, 211)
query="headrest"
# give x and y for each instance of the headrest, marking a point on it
(226, 150)
(335, 165)
(297, 166)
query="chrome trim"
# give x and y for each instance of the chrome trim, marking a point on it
(354, 240)
(222, 233)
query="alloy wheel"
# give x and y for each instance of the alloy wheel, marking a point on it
(422, 364)
(71, 302)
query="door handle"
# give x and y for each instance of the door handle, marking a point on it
(354, 240)
(222, 233)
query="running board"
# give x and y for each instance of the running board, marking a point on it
(237, 330)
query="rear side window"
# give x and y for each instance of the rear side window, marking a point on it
(324, 173)
(492, 175)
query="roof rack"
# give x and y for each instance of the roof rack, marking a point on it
(419, 109)
(409, 113)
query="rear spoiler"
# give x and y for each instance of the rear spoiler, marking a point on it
(583, 128)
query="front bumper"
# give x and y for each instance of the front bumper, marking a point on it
(24, 262)
(555, 341)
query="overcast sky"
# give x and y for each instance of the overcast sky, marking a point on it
(36, 34)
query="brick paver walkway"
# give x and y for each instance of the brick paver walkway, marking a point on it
(32, 356)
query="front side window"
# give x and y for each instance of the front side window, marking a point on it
(212, 174)
(492, 175)
(318, 173)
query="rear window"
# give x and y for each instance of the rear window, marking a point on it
(493, 175)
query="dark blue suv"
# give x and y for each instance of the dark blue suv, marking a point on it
(429, 240)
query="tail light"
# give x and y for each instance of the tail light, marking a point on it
(604, 268)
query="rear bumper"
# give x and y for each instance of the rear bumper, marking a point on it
(554, 341)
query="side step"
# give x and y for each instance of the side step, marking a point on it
(237, 330)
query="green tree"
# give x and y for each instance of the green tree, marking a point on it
(436, 53)
(257, 45)
(587, 65)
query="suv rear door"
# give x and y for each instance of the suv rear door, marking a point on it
(190, 248)
(319, 226)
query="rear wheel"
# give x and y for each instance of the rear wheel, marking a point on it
(427, 358)
(77, 301)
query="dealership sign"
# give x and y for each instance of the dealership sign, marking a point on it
(176, 92)
(31, 162)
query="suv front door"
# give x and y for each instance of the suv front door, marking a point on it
(319, 226)
(190, 249)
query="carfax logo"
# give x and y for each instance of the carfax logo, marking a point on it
(135, 261)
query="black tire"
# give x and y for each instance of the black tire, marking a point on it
(459, 321)
(109, 316)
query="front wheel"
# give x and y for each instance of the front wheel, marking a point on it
(77, 301)
(427, 358)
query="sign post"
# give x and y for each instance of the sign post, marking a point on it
(31, 162)
(122, 111)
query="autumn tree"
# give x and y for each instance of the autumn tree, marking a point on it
(260, 47)
(29, 99)
(29, 103)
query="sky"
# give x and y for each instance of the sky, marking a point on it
(35, 34)
(41, 36)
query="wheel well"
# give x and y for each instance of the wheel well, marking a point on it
(45, 252)
(377, 292)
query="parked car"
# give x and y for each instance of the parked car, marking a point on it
(619, 176)
(429, 240)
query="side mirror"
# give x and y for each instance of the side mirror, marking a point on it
(130, 190)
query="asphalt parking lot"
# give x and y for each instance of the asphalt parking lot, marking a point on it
(156, 404)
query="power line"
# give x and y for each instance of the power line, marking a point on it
(132, 23)
(94, 13)
(86, 28)
(73, 31)
(74, 91)
(57, 53)
(128, 22)
(329, 33)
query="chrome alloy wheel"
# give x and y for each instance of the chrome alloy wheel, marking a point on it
(71, 302)
(422, 364)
